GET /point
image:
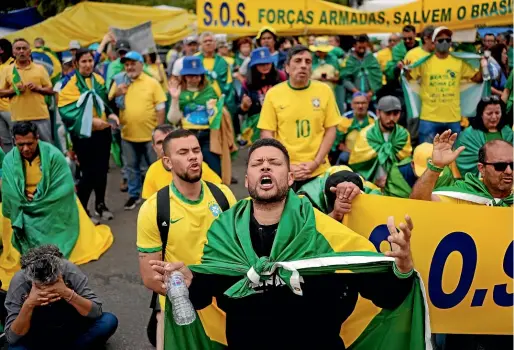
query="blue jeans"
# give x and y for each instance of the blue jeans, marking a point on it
(213, 160)
(137, 155)
(428, 130)
(91, 337)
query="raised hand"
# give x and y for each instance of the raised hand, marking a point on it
(400, 244)
(174, 89)
(443, 154)
(246, 103)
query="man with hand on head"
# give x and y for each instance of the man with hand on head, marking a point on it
(302, 114)
(274, 226)
(495, 165)
(185, 208)
(158, 176)
(51, 306)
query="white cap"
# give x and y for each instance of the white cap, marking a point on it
(439, 30)
(74, 45)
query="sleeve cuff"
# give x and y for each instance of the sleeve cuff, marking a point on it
(149, 250)
(402, 275)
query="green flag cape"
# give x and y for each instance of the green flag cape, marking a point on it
(371, 150)
(470, 93)
(396, 186)
(398, 52)
(365, 74)
(471, 189)
(78, 115)
(329, 59)
(300, 249)
(473, 139)
(249, 130)
(220, 75)
(315, 190)
(191, 99)
(355, 125)
(52, 217)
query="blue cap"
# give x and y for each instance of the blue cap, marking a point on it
(133, 56)
(192, 65)
(93, 47)
(260, 56)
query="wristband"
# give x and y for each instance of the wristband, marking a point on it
(400, 274)
(71, 297)
(433, 167)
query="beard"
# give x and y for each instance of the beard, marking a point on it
(388, 128)
(191, 178)
(279, 196)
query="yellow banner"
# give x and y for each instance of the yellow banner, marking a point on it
(238, 17)
(464, 254)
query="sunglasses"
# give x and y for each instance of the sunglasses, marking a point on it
(490, 98)
(442, 40)
(501, 166)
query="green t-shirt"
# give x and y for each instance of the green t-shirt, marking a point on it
(489, 136)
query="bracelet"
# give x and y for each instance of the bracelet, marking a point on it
(400, 274)
(433, 167)
(72, 295)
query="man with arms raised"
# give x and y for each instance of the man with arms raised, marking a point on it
(495, 167)
(276, 225)
(302, 114)
(192, 206)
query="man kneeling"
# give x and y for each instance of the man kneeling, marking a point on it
(50, 306)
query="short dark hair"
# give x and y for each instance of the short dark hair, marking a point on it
(269, 143)
(81, 52)
(295, 50)
(39, 39)
(24, 128)
(489, 34)
(42, 264)
(482, 152)
(164, 128)
(20, 39)
(175, 134)
(428, 31)
(363, 38)
(409, 29)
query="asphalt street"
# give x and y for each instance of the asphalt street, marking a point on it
(115, 277)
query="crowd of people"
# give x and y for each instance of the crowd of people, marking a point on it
(326, 117)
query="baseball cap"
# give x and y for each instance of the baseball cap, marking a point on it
(389, 103)
(67, 59)
(420, 157)
(190, 39)
(122, 45)
(74, 45)
(440, 30)
(132, 56)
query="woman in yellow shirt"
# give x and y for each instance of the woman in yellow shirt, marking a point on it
(82, 106)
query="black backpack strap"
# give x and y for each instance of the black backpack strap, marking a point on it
(219, 196)
(163, 223)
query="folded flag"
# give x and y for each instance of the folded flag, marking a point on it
(16, 79)
(309, 243)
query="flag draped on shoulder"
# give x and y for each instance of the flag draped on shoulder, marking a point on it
(470, 93)
(472, 189)
(371, 150)
(52, 217)
(78, 101)
(309, 243)
(366, 74)
(249, 130)
(473, 139)
(198, 113)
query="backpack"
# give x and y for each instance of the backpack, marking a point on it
(163, 219)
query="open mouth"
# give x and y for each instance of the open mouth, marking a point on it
(194, 166)
(266, 182)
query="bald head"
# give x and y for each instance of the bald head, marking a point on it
(495, 167)
(492, 148)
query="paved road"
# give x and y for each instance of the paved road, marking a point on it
(115, 277)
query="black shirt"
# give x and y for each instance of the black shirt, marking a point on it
(276, 318)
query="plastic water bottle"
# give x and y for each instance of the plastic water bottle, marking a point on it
(485, 66)
(183, 311)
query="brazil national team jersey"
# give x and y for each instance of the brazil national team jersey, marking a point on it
(299, 118)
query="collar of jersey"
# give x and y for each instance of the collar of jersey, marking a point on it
(306, 87)
(184, 199)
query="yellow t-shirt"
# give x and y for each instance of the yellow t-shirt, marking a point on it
(208, 63)
(28, 105)
(158, 177)
(415, 54)
(33, 174)
(70, 93)
(4, 102)
(139, 117)
(440, 87)
(299, 119)
(154, 69)
(383, 56)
